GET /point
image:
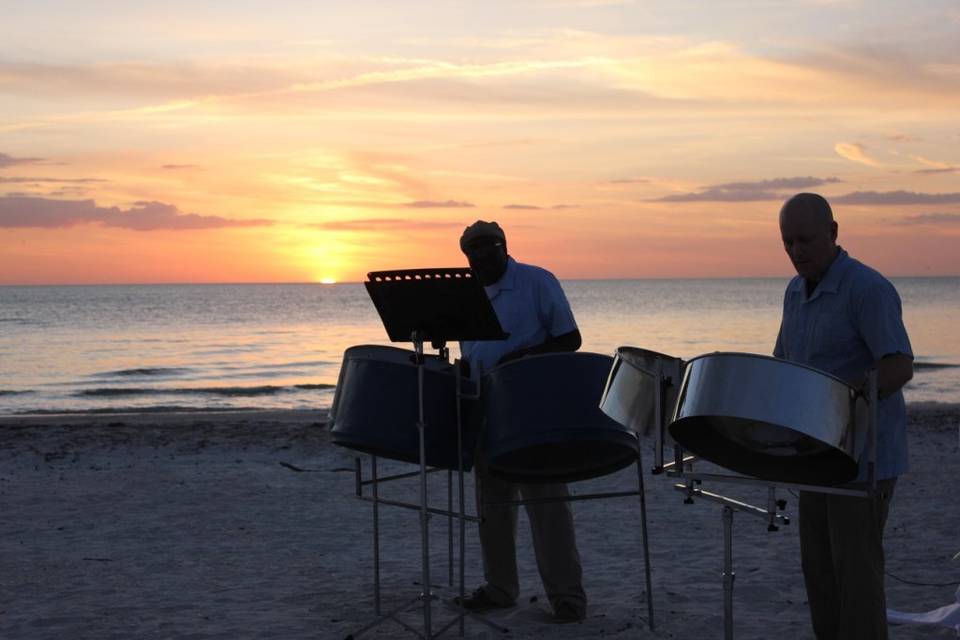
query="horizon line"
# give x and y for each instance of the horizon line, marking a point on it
(344, 282)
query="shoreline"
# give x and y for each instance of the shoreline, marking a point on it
(919, 410)
(267, 415)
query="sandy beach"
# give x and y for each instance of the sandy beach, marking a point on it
(245, 525)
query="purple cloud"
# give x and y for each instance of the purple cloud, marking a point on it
(939, 170)
(528, 207)
(10, 161)
(382, 224)
(435, 204)
(938, 219)
(896, 198)
(42, 179)
(46, 213)
(749, 191)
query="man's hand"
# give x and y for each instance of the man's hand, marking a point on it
(893, 371)
(563, 343)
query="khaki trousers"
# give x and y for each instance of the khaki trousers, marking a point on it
(841, 548)
(554, 542)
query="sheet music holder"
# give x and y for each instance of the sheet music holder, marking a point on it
(441, 304)
(435, 305)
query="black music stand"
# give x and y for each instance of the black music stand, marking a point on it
(436, 305)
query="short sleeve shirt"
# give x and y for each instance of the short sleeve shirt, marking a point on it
(531, 307)
(851, 320)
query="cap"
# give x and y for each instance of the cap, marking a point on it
(481, 229)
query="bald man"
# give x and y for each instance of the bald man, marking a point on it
(842, 317)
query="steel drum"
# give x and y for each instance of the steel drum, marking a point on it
(543, 423)
(771, 419)
(632, 387)
(376, 407)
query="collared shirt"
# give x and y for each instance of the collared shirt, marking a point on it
(531, 307)
(852, 319)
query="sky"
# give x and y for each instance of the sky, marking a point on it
(292, 141)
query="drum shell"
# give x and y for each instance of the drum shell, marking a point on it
(770, 418)
(632, 387)
(543, 423)
(376, 407)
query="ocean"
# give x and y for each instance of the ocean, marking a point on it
(278, 346)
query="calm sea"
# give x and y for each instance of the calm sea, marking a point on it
(278, 346)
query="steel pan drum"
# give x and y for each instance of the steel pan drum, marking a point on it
(543, 423)
(770, 418)
(632, 388)
(375, 407)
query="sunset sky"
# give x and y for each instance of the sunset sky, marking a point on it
(291, 141)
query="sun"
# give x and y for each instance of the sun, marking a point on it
(327, 280)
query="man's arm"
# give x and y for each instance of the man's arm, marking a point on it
(554, 344)
(893, 371)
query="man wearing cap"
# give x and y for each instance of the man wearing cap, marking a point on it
(534, 311)
(842, 317)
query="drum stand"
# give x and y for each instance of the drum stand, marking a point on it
(663, 381)
(601, 496)
(426, 597)
(682, 468)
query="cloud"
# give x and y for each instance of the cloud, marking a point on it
(43, 179)
(896, 198)
(855, 153)
(527, 207)
(46, 213)
(177, 167)
(935, 166)
(383, 224)
(749, 191)
(902, 137)
(10, 161)
(933, 219)
(630, 181)
(435, 204)
(565, 206)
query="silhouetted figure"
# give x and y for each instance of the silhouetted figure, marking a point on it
(842, 317)
(534, 311)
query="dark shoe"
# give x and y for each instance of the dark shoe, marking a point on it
(480, 601)
(566, 613)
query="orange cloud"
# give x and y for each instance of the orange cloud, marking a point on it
(855, 153)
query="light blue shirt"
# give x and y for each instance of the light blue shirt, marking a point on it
(851, 321)
(531, 307)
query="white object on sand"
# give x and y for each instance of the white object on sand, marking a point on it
(947, 616)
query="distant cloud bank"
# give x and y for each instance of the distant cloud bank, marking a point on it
(773, 189)
(46, 213)
(10, 161)
(937, 219)
(896, 197)
(383, 224)
(435, 204)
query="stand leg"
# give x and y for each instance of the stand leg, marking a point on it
(376, 535)
(728, 574)
(424, 516)
(460, 491)
(646, 545)
(450, 528)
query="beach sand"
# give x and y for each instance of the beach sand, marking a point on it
(245, 525)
